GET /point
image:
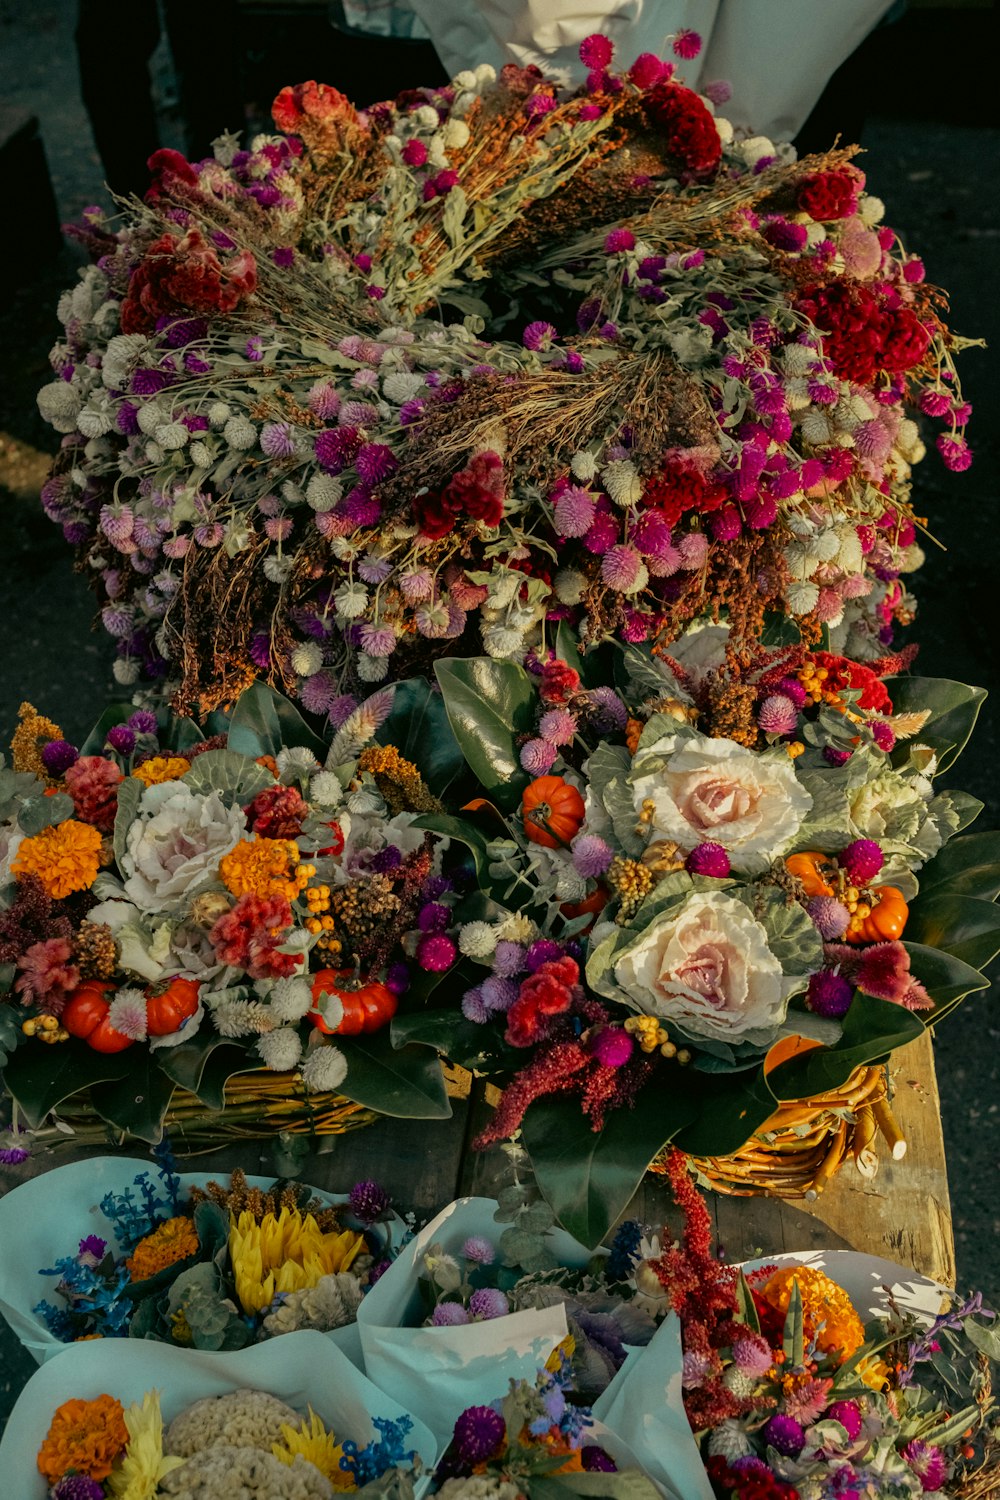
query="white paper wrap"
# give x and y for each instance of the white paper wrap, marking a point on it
(304, 1369)
(865, 1277)
(777, 54)
(47, 1216)
(441, 1371)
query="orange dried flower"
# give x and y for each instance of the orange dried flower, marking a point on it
(828, 1314)
(85, 1436)
(264, 867)
(170, 1242)
(162, 768)
(633, 729)
(66, 858)
(33, 731)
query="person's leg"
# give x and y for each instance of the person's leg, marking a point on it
(114, 42)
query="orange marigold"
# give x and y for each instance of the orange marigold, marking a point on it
(170, 1242)
(828, 1314)
(84, 1436)
(264, 867)
(33, 731)
(162, 768)
(66, 858)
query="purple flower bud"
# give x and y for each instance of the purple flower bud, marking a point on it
(488, 1302)
(121, 739)
(58, 756)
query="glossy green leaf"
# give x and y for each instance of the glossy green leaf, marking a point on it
(419, 727)
(872, 1028)
(177, 732)
(589, 1176)
(968, 866)
(40, 1077)
(463, 1042)
(187, 1063)
(954, 709)
(136, 1103)
(263, 722)
(464, 832)
(946, 978)
(406, 1082)
(234, 776)
(966, 808)
(489, 704)
(963, 926)
(11, 1036)
(568, 647)
(734, 1107)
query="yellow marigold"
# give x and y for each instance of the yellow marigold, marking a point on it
(264, 867)
(86, 1436)
(66, 858)
(828, 1314)
(170, 1242)
(162, 768)
(33, 731)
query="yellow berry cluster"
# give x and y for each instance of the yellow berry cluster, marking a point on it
(633, 882)
(651, 1036)
(319, 921)
(46, 1028)
(812, 679)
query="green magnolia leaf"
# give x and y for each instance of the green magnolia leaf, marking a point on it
(587, 1176)
(176, 732)
(968, 866)
(263, 722)
(189, 1065)
(40, 1077)
(466, 1043)
(117, 713)
(419, 727)
(405, 1082)
(954, 709)
(733, 1108)
(489, 704)
(223, 1064)
(946, 979)
(11, 1035)
(986, 1340)
(136, 1103)
(872, 1028)
(966, 808)
(129, 796)
(38, 813)
(234, 776)
(963, 926)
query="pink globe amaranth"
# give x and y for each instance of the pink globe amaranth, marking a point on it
(708, 859)
(883, 734)
(862, 860)
(829, 994)
(777, 714)
(612, 1047)
(436, 952)
(830, 917)
(848, 1414)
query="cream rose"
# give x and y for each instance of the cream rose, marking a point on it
(716, 791)
(175, 844)
(710, 970)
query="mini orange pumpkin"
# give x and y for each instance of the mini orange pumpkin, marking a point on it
(552, 810)
(807, 868)
(86, 1016)
(170, 1008)
(886, 920)
(366, 1009)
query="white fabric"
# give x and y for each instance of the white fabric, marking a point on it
(778, 55)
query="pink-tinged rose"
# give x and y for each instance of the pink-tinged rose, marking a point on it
(717, 791)
(709, 970)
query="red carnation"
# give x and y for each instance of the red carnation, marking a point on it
(830, 195)
(691, 132)
(183, 275)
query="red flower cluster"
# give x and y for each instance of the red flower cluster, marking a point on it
(760, 1484)
(546, 993)
(303, 102)
(692, 135)
(185, 275)
(864, 332)
(852, 674)
(559, 681)
(676, 489)
(48, 976)
(477, 491)
(882, 970)
(277, 812)
(171, 172)
(93, 784)
(249, 937)
(830, 195)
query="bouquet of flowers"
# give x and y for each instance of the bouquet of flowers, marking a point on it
(187, 1260)
(793, 1397)
(136, 1419)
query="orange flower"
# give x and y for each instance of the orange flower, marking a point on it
(162, 768)
(170, 1242)
(828, 1315)
(65, 858)
(264, 867)
(85, 1436)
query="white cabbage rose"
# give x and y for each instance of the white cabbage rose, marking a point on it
(708, 969)
(175, 843)
(719, 792)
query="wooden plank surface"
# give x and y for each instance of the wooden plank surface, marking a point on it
(902, 1214)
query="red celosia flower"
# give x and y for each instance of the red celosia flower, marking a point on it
(277, 812)
(559, 681)
(311, 101)
(830, 195)
(676, 490)
(691, 132)
(249, 936)
(171, 172)
(862, 333)
(548, 992)
(844, 673)
(185, 274)
(476, 491)
(93, 783)
(47, 976)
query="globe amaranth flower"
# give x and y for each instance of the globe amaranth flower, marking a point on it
(369, 1201)
(478, 1433)
(488, 1302)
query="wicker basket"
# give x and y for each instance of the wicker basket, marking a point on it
(805, 1142)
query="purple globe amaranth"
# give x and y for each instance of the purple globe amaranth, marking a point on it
(785, 1435)
(830, 917)
(708, 859)
(862, 860)
(478, 1433)
(848, 1414)
(58, 756)
(449, 1315)
(829, 994)
(368, 1201)
(612, 1047)
(488, 1302)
